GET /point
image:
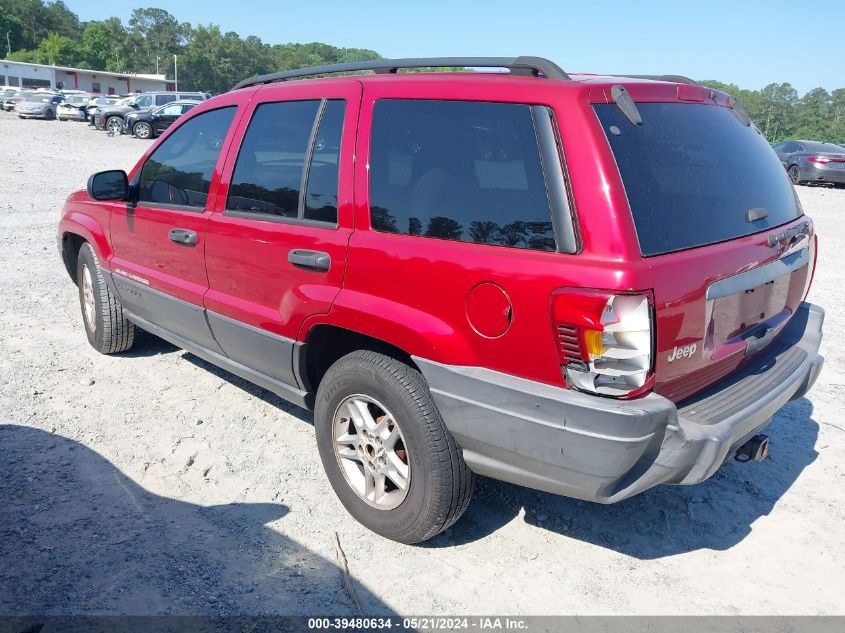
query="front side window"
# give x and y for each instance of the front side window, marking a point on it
(459, 170)
(171, 110)
(280, 141)
(162, 99)
(179, 170)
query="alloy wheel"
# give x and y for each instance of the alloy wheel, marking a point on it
(88, 305)
(371, 452)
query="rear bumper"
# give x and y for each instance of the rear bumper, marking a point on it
(822, 174)
(606, 450)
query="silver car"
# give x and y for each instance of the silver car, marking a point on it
(38, 105)
(812, 161)
(73, 108)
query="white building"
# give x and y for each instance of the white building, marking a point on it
(62, 78)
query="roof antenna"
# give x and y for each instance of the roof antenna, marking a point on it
(623, 100)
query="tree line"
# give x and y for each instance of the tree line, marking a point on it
(210, 60)
(49, 33)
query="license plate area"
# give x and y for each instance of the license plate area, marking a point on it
(750, 306)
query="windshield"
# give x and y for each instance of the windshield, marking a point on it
(77, 100)
(692, 173)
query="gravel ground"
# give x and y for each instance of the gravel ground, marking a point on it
(151, 482)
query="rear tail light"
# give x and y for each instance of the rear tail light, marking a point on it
(605, 341)
(821, 160)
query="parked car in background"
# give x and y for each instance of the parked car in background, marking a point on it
(74, 108)
(8, 92)
(111, 117)
(285, 231)
(12, 100)
(39, 105)
(150, 123)
(812, 161)
(99, 101)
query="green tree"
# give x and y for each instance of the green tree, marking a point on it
(155, 36)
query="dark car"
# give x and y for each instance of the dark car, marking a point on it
(812, 161)
(150, 123)
(411, 256)
(111, 118)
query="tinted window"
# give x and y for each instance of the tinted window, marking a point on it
(268, 174)
(162, 99)
(171, 110)
(692, 172)
(815, 146)
(179, 170)
(321, 190)
(466, 171)
(191, 97)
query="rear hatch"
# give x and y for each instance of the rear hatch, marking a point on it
(722, 229)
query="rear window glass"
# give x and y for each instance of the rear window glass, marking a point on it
(692, 172)
(815, 146)
(459, 170)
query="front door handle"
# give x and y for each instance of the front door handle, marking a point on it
(315, 260)
(183, 236)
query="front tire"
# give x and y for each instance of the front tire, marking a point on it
(107, 328)
(114, 124)
(142, 130)
(378, 430)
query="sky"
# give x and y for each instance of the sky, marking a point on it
(747, 42)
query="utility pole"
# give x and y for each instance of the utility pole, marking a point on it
(8, 44)
(175, 73)
(157, 58)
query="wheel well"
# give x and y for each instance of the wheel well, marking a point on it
(71, 243)
(327, 344)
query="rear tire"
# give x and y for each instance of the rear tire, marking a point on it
(107, 328)
(794, 175)
(438, 482)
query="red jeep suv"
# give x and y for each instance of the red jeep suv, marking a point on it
(584, 284)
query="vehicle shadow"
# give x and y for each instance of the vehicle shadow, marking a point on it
(251, 388)
(664, 521)
(79, 537)
(147, 345)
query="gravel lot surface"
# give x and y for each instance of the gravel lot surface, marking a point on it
(152, 482)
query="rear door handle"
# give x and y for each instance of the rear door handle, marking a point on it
(315, 260)
(183, 236)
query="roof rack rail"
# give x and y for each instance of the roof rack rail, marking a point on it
(678, 79)
(531, 66)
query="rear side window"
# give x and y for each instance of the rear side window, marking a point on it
(162, 99)
(692, 173)
(179, 170)
(282, 138)
(459, 170)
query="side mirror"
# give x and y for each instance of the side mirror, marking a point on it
(109, 185)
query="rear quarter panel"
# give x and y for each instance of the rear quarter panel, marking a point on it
(411, 291)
